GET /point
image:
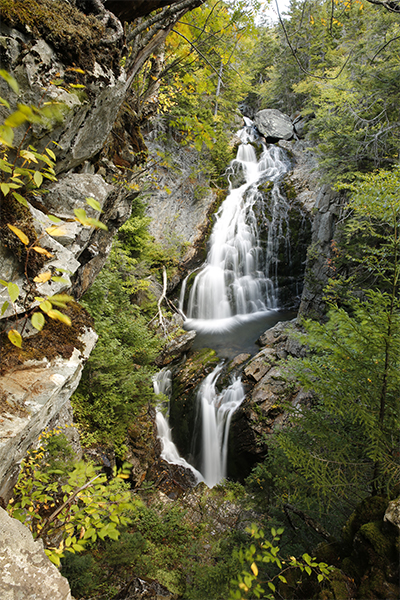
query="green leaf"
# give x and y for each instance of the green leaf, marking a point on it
(10, 80)
(38, 321)
(15, 119)
(5, 188)
(6, 135)
(54, 219)
(51, 153)
(308, 570)
(38, 178)
(271, 586)
(5, 166)
(59, 279)
(282, 578)
(4, 103)
(97, 224)
(13, 291)
(320, 578)
(15, 338)
(94, 204)
(6, 304)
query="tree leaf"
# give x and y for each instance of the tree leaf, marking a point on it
(28, 156)
(20, 234)
(5, 188)
(55, 231)
(38, 321)
(51, 153)
(94, 204)
(6, 135)
(59, 316)
(60, 279)
(54, 219)
(42, 277)
(320, 578)
(20, 199)
(96, 223)
(40, 250)
(6, 304)
(4, 103)
(12, 82)
(38, 178)
(15, 119)
(45, 306)
(15, 338)
(13, 291)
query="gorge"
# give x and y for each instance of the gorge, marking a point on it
(234, 288)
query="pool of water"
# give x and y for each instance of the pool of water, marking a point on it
(235, 335)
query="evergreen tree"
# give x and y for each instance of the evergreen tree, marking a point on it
(346, 444)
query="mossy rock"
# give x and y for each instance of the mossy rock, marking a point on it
(55, 340)
(75, 37)
(369, 510)
(382, 544)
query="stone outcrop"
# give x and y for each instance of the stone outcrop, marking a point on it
(31, 396)
(25, 570)
(274, 125)
(267, 393)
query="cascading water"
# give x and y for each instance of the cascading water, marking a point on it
(162, 385)
(236, 286)
(216, 412)
(238, 279)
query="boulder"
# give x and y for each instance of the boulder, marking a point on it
(274, 125)
(32, 394)
(25, 571)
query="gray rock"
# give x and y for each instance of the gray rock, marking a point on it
(274, 124)
(392, 514)
(25, 571)
(35, 394)
(261, 364)
(70, 192)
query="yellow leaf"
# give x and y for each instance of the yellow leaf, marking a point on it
(38, 321)
(20, 234)
(45, 306)
(40, 250)
(42, 277)
(254, 569)
(55, 231)
(59, 316)
(15, 338)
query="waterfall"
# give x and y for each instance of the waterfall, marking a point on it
(237, 284)
(239, 276)
(216, 412)
(162, 385)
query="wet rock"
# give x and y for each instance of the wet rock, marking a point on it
(274, 125)
(171, 480)
(25, 571)
(176, 348)
(260, 364)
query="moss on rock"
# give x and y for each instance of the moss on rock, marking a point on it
(75, 37)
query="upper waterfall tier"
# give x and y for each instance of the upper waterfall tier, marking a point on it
(238, 275)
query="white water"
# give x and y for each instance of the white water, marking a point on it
(216, 412)
(238, 277)
(236, 285)
(162, 385)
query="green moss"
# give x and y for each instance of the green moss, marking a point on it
(289, 189)
(75, 37)
(13, 213)
(369, 510)
(55, 340)
(380, 543)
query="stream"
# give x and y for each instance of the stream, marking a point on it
(233, 298)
